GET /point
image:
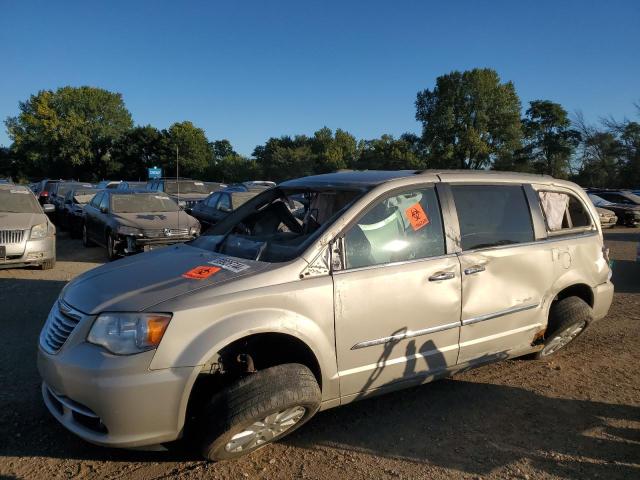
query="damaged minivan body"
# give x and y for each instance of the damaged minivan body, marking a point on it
(387, 279)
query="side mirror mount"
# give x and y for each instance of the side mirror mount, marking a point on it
(103, 210)
(48, 208)
(337, 254)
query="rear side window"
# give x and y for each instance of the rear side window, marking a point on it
(563, 211)
(406, 226)
(492, 215)
(225, 202)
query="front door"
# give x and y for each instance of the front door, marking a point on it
(397, 299)
(505, 273)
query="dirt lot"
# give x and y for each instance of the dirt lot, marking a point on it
(577, 416)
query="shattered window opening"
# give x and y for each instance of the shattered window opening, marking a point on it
(279, 224)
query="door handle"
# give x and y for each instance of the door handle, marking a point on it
(474, 269)
(441, 276)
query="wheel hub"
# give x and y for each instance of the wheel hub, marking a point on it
(265, 430)
(563, 338)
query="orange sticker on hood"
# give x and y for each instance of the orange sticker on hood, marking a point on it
(416, 216)
(201, 272)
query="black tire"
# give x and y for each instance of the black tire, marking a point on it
(48, 264)
(86, 241)
(275, 390)
(568, 318)
(112, 254)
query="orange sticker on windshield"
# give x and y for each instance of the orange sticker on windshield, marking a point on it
(416, 216)
(201, 272)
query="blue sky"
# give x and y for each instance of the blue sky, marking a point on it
(249, 70)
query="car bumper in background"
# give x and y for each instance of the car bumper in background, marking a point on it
(35, 252)
(136, 244)
(114, 400)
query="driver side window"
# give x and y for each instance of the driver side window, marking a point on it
(406, 226)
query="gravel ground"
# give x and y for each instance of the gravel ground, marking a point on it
(576, 416)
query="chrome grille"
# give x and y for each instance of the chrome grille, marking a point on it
(8, 237)
(59, 325)
(166, 232)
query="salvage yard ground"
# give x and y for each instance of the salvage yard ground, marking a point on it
(575, 416)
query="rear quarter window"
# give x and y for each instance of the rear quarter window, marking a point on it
(563, 211)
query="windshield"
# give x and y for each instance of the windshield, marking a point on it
(63, 188)
(599, 201)
(83, 196)
(186, 186)
(18, 201)
(272, 227)
(142, 203)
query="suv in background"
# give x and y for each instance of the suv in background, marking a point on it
(185, 191)
(43, 189)
(389, 280)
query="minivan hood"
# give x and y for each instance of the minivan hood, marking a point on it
(156, 220)
(20, 221)
(135, 283)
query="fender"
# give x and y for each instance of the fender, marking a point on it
(302, 309)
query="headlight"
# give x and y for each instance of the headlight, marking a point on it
(124, 230)
(182, 203)
(194, 230)
(128, 333)
(39, 231)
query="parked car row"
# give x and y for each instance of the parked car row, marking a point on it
(125, 217)
(624, 204)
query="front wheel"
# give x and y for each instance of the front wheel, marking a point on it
(85, 236)
(258, 409)
(112, 254)
(568, 318)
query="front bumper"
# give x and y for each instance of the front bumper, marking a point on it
(114, 400)
(131, 244)
(35, 252)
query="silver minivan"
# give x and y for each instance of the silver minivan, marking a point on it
(388, 279)
(27, 236)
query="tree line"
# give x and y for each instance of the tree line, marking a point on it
(470, 120)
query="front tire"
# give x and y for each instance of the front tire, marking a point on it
(568, 318)
(85, 236)
(112, 254)
(257, 410)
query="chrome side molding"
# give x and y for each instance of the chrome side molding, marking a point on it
(402, 336)
(500, 313)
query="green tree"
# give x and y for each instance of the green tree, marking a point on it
(221, 149)
(630, 168)
(600, 160)
(192, 147)
(234, 168)
(549, 140)
(388, 153)
(332, 152)
(469, 120)
(69, 132)
(285, 157)
(137, 150)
